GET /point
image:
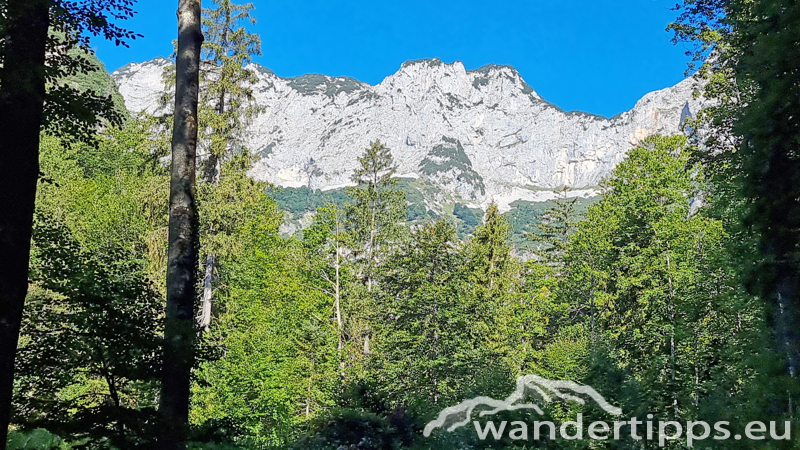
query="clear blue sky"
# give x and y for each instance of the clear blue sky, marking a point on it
(597, 56)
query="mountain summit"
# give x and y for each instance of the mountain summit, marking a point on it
(473, 136)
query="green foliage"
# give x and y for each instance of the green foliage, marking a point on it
(557, 224)
(359, 334)
(417, 191)
(131, 149)
(433, 329)
(490, 253)
(366, 328)
(469, 219)
(89, 357)
(770, 130)
(702, 25)
(89, 348)
(495, 281)
(526, 218)
(301, 200)
(111, 196)
(228, 207)
(415, 211)
(226, 100)
(279, 363)
(80, 95)
(95, 82)
(373, 226)
(36, 439)
(467, 215)
(347, 428)
(326, 245)
(376, 210)
(648, 279)
(748, 140)
(450, 156)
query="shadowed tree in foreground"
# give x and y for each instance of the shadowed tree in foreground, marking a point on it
(752, 138)
(34, 97)
(21, 108)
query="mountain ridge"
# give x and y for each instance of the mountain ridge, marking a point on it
(474, 136)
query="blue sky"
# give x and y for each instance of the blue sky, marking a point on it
(598, 56)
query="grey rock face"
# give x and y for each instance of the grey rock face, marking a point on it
(478, 135)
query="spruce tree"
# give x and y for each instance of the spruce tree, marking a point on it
(377, 209)
(225, 106)
(558, 222)
(491, 252)
(515, 317)
(433, 328)
(373, 223)
(226, 102)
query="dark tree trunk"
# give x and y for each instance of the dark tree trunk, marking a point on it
(22, 91)
(779, 276)
(179, 329)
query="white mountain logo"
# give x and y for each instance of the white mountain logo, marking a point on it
(546, 389)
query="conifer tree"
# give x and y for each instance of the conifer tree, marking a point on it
(226, 101)
(433, 327)
(226, 104)
(373, 220)
(377, 209)
(558, 222)
(226, 205)
(495, 276)
(491, 253)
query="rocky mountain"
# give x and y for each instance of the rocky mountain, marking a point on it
(460, 136)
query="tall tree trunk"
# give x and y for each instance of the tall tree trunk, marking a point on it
(22, 92)
(784, 316)
(370, 262)
(337, 295)
(179, 331)
(337, 304)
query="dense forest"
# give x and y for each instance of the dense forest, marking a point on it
(676, 294)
